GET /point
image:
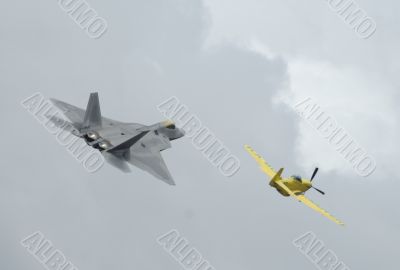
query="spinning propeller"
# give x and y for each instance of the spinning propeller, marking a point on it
(312, 178)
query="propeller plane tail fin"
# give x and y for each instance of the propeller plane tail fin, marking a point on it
(278, 176)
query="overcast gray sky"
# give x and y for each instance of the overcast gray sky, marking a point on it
(239, 66)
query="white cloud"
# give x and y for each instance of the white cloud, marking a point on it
(354, 98)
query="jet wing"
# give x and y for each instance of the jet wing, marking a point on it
(309, 203)
(265, 167)
(151, 162)
(116, 161)
(146, 155)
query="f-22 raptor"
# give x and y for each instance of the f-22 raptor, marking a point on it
(121, 143)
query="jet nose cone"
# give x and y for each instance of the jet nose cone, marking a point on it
(183, 132)
(180, 133)
(176, 134)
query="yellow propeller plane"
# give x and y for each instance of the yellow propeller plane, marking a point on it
(294, 186)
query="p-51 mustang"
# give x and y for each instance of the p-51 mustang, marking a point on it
(294, 186)
(121, 143)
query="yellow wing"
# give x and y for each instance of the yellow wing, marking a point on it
(309, 203)
(312, 205)
(265, 167)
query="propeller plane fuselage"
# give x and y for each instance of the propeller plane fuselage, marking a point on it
(294, 183)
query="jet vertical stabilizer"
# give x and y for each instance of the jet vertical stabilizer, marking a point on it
(92, 117)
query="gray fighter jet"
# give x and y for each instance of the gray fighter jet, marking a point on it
(121, 143)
